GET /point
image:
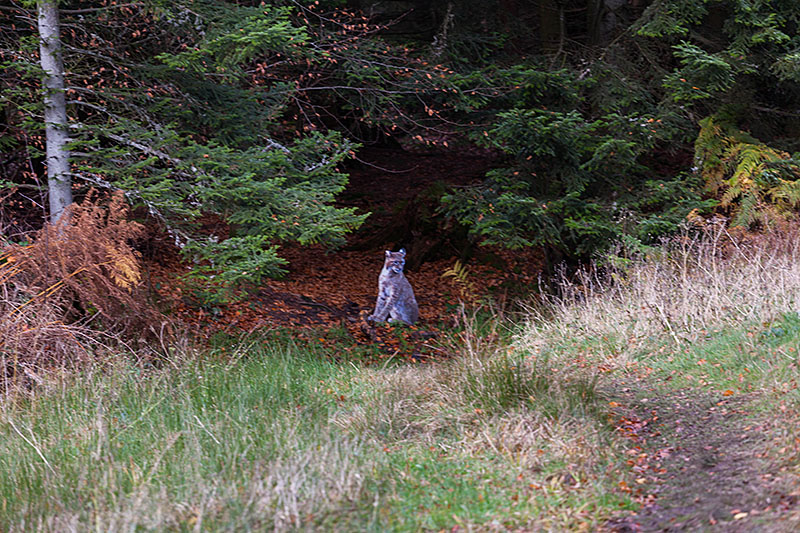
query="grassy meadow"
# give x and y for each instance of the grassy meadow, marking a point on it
(513, 431)
(277, 436)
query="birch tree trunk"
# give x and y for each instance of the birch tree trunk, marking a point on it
(59, 182)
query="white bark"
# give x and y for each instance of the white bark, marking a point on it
(59, 182)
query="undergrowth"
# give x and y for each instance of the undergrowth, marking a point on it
(708, 305)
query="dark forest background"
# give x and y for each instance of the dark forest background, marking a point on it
(605, 121)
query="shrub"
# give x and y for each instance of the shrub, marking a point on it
(77, 283)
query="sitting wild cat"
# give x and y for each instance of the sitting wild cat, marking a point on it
(395, 295)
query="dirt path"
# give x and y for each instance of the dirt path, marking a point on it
(700, 464)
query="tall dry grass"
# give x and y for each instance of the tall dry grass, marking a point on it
(693, 284)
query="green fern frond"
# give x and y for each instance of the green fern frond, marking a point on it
(746, 175)
(747, 213)
(460, 280)
(786, 194)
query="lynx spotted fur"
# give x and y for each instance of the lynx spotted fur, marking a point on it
(395, 295)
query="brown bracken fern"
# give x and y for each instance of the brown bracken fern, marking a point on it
(78, 282)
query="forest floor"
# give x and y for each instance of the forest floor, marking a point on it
(698, 458)
(326, 290)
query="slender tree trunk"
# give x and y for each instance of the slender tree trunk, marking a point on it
(594, 16)
(551, 26)
(603, 21)
(59, 182)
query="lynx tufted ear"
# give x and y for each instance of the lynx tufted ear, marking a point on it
(388, 253)
(402, 251)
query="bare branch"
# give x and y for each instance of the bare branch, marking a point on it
(96, 9)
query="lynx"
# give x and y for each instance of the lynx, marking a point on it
(395, 295)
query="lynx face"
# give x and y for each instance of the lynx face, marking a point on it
(395, 261)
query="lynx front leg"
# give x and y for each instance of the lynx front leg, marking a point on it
(381, 309)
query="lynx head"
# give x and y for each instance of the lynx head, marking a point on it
(395, 261)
